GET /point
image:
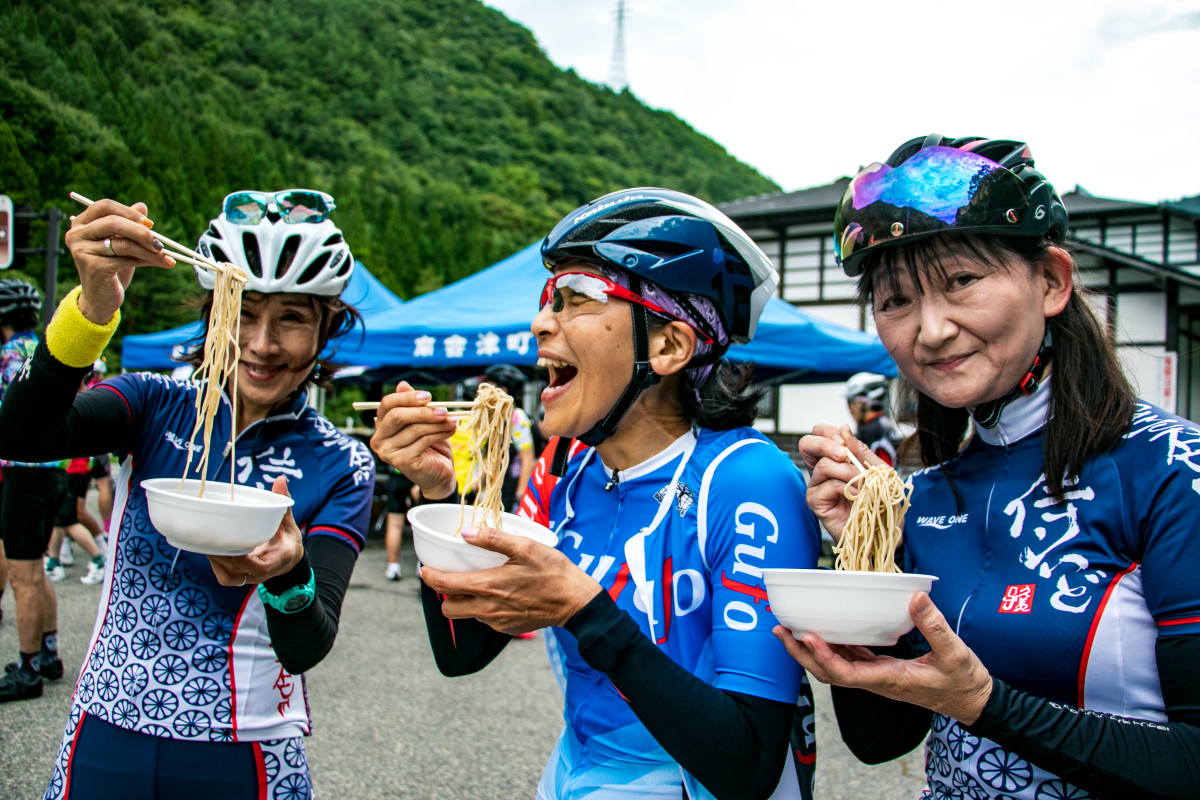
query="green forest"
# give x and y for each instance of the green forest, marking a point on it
(447, 137)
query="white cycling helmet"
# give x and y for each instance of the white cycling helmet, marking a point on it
(866, 386)
(306, 258)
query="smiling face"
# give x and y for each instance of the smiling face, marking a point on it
(279, 339)
(970, 331)
(587, 345)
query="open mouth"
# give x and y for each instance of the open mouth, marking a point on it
(262, 372)
(561, 373)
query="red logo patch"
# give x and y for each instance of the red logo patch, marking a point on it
(1018, 599)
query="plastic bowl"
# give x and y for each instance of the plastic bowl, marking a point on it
(213, 524)
(842, 607)
(436, 545)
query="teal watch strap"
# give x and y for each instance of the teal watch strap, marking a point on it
(291, 600)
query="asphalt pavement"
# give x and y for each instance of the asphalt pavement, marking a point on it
(387, 724)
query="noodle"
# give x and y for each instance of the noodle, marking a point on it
(873, 528)
(221, 355)
(490, 428)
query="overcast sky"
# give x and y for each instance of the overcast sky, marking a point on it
(1107, 92)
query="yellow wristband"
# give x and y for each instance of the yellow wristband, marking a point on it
(74, 339)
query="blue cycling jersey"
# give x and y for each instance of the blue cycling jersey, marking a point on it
(174, 653)
(687, 566)
(1064, 600)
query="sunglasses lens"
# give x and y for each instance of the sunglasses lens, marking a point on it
(297, 207)
(245, 208)
(937, 189)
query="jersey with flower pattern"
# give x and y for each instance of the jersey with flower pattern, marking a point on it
(1063, 600)
(174, 653)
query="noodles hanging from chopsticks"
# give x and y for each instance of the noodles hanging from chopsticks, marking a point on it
(490, 429)
(874, 527)
(221, 355)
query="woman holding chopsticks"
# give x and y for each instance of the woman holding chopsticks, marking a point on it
(192, 684)
(667, 506)
(1059, 512)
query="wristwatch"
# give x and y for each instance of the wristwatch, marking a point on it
(297, 598)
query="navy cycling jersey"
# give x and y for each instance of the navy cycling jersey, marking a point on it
(174, 653)
(693, 583)
(1064, 600)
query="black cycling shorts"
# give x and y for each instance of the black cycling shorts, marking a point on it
(32, 496)
(398, 497)
(101, 467)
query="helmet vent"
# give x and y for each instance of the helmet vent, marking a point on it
(287, 255)
(335, 239)
(213, 232)
(219, 255)
(345, 267)
(313, 269)
(253, 256)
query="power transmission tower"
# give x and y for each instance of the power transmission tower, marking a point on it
(616, 78)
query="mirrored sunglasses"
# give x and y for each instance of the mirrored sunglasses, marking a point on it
(293, 206)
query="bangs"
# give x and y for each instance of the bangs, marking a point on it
(928, 259)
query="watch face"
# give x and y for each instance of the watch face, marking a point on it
(296, 602)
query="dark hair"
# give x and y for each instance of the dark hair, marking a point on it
(728, 399)
(337, 319)
(21, 319)
(1091, 401)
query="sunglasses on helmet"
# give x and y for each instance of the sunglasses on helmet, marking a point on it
(590, 284)
(936, 189)
(293, 206)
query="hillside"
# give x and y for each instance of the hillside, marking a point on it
(446, 136)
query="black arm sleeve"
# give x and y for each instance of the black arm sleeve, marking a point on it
(1118, 758)
(734, 744)
(43, 418)
(460, 646)
(877, 729)
(302, 639)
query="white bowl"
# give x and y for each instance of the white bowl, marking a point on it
(213, 524)
(436, 544)
(843, 607)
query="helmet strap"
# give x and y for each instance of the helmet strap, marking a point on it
(987, 415)
(642, 379)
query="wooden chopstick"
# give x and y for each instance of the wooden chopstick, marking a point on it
(857, 463)
(185, 253)
(372, 405)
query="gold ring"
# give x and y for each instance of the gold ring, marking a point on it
(108, 247)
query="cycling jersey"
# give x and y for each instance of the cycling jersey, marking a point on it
(15, 355)
(685, 564)
(174, 653)
(1062, 600)
(879, 433)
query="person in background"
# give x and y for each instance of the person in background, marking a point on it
(101, 468)
(867, 396)
(521, 458)
(67, 524)
(1058, 648)
(402, 495)
(193, 688)
(33, 492)
(668, 506)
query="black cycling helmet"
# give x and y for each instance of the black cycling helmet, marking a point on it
(679, 242)
(933, 184)
(16, 294)
(505, 375)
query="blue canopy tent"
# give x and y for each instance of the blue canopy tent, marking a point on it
(484, 319)
(165, 349)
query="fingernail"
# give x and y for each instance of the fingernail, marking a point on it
(170, 261)
(440, 412)
(922, 604)
(71, 218)
(156, 244)
(469, 533)
(423, 397)
(149, 223)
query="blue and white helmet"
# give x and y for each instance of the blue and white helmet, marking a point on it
(308, 258)
(676, 241)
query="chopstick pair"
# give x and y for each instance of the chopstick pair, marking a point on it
(180, 252)
(457, 409)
